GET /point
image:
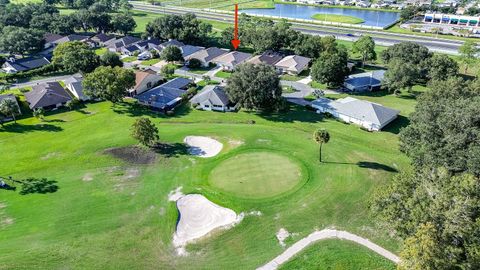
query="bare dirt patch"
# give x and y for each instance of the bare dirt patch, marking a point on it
(133, 154)
(87, 177)
(50, 155)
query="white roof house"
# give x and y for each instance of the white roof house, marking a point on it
(369, 115)
(232, 59)
(213, 98)
(293, 64)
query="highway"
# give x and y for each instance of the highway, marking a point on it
(348, 34)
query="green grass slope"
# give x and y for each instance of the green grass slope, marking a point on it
(113, 214)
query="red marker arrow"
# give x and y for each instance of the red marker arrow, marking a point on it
(235, 40)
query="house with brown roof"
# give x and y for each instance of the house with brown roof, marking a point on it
(144, 81)
(49, 95)
(292, 64)
(206, 56)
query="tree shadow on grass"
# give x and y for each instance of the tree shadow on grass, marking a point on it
(397, 125)
(376, 166)
(296, 113)
(366, 164)
(21, 128)
(171, 149)
(41, 186)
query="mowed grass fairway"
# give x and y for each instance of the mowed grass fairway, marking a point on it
(345, 255)
(113, 214)
(256, 175)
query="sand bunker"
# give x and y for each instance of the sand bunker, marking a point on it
(203, 146)
(198, 217)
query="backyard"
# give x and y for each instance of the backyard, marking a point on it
(113, 212)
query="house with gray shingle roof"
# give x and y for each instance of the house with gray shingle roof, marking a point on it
(166, 96)
(189, 49)
(268, 58)
(292, 64)
(49, 95)
(369, 115)
(213, 98)
(74, 85)
(13, 65)
(232, 59)
(206, 56)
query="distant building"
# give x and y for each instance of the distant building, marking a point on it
(13, 65)
(369, 115)
(368, 81)
(452, 19)
(213, 98)
(49, 95)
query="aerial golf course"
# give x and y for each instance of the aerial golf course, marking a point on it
(112, 211)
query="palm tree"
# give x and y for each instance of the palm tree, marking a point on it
(321, 136)
(9, 107)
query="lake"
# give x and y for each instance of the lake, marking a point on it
(370, 17)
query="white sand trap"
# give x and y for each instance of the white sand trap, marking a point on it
(198, 217)
(203, 146)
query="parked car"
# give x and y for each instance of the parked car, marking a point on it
(145, 55)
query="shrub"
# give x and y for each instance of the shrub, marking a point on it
(194, 63)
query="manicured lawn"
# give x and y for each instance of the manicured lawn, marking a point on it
(337, 18)
(101, 51)
(338, 254)
(151, 62)
(226, 4)
(223, 74)
(199, 71)
(129, 59)
(258, 174)
(111, 213)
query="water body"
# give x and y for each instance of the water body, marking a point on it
(370, 17)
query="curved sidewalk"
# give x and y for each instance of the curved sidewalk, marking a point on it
(326, 234)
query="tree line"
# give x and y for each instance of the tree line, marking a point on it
(22, 27)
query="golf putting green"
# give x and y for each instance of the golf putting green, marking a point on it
(256, 175)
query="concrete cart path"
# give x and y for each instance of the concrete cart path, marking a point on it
(326, 234)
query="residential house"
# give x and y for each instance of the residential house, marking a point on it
(213, 98)
(102, 39)
(189, 50)
(172, 42)
(117, 44)
(144, 81)
(166, 96)
(50, 39)
(292, 64)
(232, 59)
(49, 95)
(206, 56)
(14, 99)
(269, 58)
(368, 115)
(13, 65)
(367, 81)
(74, 85)
(72, 37)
